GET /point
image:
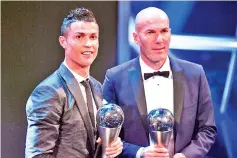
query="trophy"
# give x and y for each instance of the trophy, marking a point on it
(160, 122)
(109, 120)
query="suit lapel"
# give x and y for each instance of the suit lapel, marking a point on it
(178, 81)
(178, 95)
(97, 95)
(96, 92)
(74, 88)
(178, 84)
(138, 90)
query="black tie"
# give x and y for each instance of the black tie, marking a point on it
(159, 73)
(86, 84)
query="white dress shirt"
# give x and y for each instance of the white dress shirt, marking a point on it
(158, 91)
(83, 90)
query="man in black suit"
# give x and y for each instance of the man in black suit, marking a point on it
(157, 80)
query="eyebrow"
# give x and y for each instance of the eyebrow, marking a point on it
(154, 29)
(166, 28)
(149, 30)
(84, 33)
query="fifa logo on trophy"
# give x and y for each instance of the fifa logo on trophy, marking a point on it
(109, 119)
(160, 122)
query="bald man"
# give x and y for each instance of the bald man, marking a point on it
(181, 88)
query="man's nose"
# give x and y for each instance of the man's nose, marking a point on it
(88, 43)
(159, 38)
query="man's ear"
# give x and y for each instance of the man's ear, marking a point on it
(63, 42)
(136, 38)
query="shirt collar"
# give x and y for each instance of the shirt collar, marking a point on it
(146, 69)
(79, 78)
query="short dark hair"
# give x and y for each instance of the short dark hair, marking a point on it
(78, 14)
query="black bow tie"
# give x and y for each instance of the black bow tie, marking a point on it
(159, 73)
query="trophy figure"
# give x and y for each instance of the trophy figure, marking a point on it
(160, 122)
(109, 119)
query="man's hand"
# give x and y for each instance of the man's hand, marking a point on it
(114, 149)
(152, 151)
(99, 141)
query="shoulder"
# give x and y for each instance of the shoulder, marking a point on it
(95, 82)
(52, 86)
(189, 68)
(49, 93)
(186, 64)
(124, 66)
(53, 81)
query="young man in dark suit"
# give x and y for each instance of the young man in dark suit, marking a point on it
(61, 109)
